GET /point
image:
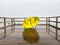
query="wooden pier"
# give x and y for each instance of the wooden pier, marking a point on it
(11, 31)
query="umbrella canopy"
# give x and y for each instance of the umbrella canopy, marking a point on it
(30, 22)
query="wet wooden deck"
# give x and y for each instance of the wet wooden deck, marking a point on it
(16, 38)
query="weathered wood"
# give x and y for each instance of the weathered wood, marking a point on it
(20, 17)
(53, 21)
(18, 21)
(42, 20)
(41, 24)
(46, 24)
(4, 27)
(47, 21)
(49, 26)
(42, 17)
(56, 27)
(12, 24)
(53, 17)
(52, 32)
(24, 19)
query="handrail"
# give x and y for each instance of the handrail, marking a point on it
(55, 27)
(48, 21)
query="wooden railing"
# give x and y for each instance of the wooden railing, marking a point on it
(56, 26)
(12, 23)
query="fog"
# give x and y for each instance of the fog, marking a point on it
(25, 8)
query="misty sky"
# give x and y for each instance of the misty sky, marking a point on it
(19, 8)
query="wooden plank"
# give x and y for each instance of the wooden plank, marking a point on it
(53, 21)
(8, 21)
(6, 27)
(55, 27)
(41, 17)
(41, 24)
(52, 35)
(42, 20)
(36, 25)
(20, 17)
(53, 17)
(19, 21)
(52, 32)
(18, 24)
(8, 17)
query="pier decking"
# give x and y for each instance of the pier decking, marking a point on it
(11, 31)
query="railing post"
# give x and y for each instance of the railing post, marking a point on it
(24, 19)
(35, 27)
(14, 24)
(49, 26)
(46, 24)
(11, 24)
(56, 27)
(4, 27)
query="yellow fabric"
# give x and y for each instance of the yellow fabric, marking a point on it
(30, 22)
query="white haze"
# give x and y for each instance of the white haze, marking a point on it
(25, 8)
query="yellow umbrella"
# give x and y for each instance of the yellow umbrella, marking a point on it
(30, 22)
